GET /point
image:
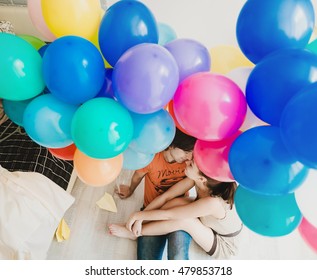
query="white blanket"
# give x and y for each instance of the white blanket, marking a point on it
(31, 207)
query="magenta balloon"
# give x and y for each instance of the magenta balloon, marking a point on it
(191, 56)
(209, 107)
(145, 78)
(212, 158)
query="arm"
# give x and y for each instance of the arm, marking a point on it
(176, 190)
(199, 208)
(136, 179)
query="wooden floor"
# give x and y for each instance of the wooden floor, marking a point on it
(89, 239)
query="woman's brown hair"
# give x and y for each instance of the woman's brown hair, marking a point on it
(225, 190)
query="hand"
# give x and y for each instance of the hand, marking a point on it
(123, 191)
(137, 228)
(132, 219)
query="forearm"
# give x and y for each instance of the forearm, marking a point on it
(135, 181)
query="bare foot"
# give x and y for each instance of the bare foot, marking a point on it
(121, 231)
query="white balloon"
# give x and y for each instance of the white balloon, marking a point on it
(240, 76)
(306, 197)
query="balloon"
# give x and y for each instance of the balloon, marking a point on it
(15, 110)
(276, 79)
(306, 197)
(107, 89)
(21, 69)
(240, 76)
(133, 160)
(267, 215)
(298, 123)
(260, 162)
(73, 69)
(72, 17)
(36, 15)
(152, 132)
(308, 233)
(209, 107)
(102, 128)
(124, 25)
(97, 172)
(47, 121)
(191, 56)
(66, 153)
(166, 33)
(42, 50)
(266, 26)
(34, 41)
(312, 46)
(226, 58)
(145, 78)
(212, 158)
(170, 110)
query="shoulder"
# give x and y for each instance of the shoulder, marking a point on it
(215, 206)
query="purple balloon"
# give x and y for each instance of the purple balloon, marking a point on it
(145, 78)
(191, 56)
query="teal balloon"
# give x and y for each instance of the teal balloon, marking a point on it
(267, 215)
(15, 110)
(152, 132)
(102, 128)
(47, 121)
(133, 160)
(166, 33)
(20, 69)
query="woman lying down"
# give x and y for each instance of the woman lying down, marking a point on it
(210, 219)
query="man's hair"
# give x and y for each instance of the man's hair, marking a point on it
(183, 141)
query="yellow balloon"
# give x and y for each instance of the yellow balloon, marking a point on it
(225, 58)
(72, 17)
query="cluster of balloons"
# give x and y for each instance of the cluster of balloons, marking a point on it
(112, 86)
(274, 163)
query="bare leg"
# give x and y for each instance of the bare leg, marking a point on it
(179, 201)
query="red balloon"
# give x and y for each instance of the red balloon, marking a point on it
(308, 233)
(212, 158)
(66, 153)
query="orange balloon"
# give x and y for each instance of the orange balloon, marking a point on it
(97, 172)
(170, 109)
(66, 153)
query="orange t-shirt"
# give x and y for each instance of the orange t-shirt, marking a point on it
(160, 176)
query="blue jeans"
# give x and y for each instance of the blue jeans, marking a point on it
(152, 247)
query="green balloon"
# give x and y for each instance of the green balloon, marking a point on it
(34, 41)
(20, 69)
(102, 128)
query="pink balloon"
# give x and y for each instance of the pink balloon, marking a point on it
(36, 15)
(209, 107)
(212, 158)
(308, 233)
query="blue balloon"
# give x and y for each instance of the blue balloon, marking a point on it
(266, 26)
(259, 160)
(42, 50)
(166, 33)
(73, 69)
(298, 126)
(133, 160)
(47, 121)
(276, 79)
(191, 57)
(267, 215)
(152, 132)
(124, 25)
(107, 89)
(15, 110)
